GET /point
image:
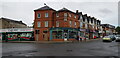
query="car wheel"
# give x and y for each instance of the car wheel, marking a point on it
(117, 41)
(103, 40)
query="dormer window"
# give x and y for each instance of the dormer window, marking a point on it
(81, 17)
(86, 20)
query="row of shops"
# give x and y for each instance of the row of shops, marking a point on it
(55, 34)
(16, 34)
(72, 33)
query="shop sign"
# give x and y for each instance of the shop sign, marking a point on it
(87, 30)
(94, 31)
(16, 30)
(82, 29)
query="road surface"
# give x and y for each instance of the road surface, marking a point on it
(89, 48)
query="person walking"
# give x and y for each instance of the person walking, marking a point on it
(80, 38)
(6, 38)
(77, 38)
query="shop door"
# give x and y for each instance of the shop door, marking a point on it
(45, 36)
(65, 35)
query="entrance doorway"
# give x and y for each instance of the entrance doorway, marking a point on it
(65, 35)
(45, 36)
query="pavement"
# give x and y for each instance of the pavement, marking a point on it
(50, 41)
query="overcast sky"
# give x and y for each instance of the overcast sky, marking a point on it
(106, 11)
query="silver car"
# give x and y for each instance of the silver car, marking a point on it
(117, 38)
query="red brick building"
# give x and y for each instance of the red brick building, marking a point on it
(60, 25)
(63, 25)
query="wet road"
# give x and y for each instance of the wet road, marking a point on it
(89, 48)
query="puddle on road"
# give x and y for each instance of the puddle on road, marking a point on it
(69, 50)
(24, 53)
(114, 46)
(96, 49)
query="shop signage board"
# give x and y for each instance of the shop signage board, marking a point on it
(16, 30)
(82, 29)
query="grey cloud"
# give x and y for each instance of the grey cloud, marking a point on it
(106, 11)
(25, 10)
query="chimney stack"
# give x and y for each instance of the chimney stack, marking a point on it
(80, 13)
(76, 11)
(85, 14)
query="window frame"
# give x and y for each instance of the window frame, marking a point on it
(57, 23)
(46, 15)
(38, 24)
(39, 15)
(70, 22)
(75, 16)
(46, 23)
(57, 14)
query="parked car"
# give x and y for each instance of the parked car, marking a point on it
(117, 38)
(108, 38)
(113, 37)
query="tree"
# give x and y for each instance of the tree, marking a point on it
(118, 29)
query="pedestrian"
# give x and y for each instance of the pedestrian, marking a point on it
(6, 38)
(77, 38)
(80, 39)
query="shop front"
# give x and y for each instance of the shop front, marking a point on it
(83, 33)
(87, 34)
(95, 34)
(91, 34)
(63, 34)
(16, 34)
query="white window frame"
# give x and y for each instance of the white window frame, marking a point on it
(70, 22)
(38, 24)
(75, 24)
(57, 23)
(65, 19)
(65, 16)
(75, 16)
(46, 15)
(89, 21)
(81, 17)
(57, 15)
(86, 26)
(70, 15)
(93, 22)
(38, 15)
(81, 24)
(46, 23)
(86, 20)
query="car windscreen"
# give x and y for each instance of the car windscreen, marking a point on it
(117, 35)
(107, 37)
